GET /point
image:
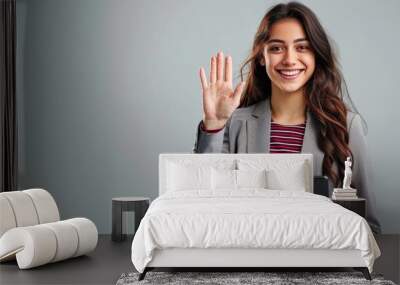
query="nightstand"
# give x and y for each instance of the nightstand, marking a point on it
(126, 204)
(356, 205)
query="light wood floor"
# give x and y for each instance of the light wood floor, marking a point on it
(111, 259)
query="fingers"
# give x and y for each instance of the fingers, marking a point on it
(228, 69)
(203, 79)
(237, 94)
(213, 72)
(220, 66)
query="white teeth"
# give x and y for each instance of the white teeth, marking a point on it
(290, 72)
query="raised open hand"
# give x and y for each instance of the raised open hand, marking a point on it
(219, 99)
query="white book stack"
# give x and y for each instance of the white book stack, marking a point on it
(344, 194)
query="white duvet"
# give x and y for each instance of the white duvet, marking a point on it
(251, 218)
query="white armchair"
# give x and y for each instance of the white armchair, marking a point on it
(32, 233)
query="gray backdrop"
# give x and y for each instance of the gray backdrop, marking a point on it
(105, 86)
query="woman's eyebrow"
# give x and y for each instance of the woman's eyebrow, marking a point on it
(281, 41)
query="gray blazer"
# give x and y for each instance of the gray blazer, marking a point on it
(248, 131)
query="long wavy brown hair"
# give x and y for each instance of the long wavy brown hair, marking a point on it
(324, 90)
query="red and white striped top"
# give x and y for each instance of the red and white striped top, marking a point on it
(286, 138)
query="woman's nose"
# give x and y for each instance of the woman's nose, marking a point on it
(290, 57)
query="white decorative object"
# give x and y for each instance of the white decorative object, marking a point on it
(347, 192)
(347, 174)
(32, 233)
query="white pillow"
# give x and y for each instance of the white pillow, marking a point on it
(251, 178)
(282, 174)
(218, 163)
(292, 179)
(187, 177)
(223, 179)
(237, 179)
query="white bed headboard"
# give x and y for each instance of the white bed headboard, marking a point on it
(218, 158)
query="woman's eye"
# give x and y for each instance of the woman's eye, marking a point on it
(302, 48)
(275, 49)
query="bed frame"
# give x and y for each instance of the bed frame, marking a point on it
(246, 259)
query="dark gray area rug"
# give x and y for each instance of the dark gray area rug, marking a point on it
(229, 278)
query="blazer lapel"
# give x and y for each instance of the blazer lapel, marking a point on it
(310, 144)
(309, 139)
(258, 128)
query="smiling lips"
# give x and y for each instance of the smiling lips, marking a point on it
(289, 74)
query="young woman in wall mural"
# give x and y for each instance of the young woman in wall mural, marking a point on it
(292, 84)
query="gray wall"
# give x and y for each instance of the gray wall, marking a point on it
(105, 86)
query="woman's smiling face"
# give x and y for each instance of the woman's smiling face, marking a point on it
(288, 56)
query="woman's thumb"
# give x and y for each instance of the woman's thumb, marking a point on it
(237, 93)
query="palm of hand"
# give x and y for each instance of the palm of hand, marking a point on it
(218, 101)
(219, 98)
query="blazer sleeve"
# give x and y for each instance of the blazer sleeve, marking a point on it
(212, 142)
(362, 173)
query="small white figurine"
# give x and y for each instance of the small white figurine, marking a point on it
(347, 174)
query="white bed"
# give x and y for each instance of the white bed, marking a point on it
(203, 220)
